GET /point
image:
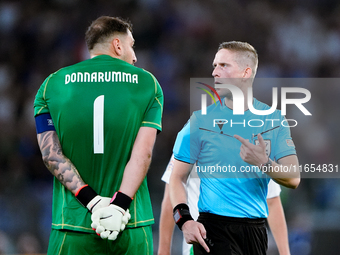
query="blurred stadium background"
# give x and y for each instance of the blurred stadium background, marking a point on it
(175, 40)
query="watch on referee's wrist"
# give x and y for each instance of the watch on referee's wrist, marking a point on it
(267, 164)
(181, 214)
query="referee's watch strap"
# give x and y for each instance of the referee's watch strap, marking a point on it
(266, 165)
(181, 214)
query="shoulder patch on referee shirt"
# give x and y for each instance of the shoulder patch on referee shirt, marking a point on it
(171, 164)
(290, 142)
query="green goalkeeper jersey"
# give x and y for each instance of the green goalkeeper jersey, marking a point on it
(97, 107)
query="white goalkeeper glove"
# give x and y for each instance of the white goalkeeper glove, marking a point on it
(98, 202)
(109, 221)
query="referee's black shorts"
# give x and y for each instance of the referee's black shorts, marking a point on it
(233, 236)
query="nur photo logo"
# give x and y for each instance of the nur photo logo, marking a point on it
(238, 99)
(204, 97)
(295, 96)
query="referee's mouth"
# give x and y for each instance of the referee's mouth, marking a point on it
(217, 82)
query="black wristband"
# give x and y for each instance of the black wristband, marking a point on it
(121, 200)
(181, 214)
(85, 195)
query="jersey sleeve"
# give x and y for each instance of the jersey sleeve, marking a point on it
(166, 176)
(187, 144)
(153, 117)
(40, 105)
(274, 189)
(284, 143)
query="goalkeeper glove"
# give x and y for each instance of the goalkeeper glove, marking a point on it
(109, 221)
(90, 199)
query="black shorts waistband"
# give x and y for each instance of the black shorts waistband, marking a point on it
(226, 219)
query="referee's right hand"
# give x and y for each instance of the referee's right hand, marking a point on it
(194, 232)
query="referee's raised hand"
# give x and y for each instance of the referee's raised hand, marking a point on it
(251, 153)
(194, 232)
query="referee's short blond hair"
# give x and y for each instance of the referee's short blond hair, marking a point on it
(248, 55)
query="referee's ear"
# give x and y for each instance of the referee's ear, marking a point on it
(247, 73)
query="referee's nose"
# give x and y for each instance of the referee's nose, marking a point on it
(215, 72)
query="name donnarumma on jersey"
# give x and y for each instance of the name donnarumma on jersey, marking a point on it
(101, 77)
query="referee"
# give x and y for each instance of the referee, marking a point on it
(232, 205)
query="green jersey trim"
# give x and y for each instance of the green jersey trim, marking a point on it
(80, 228)
(70, 226)
(154, 79)
(62, 244)
(152, 123)
(159, 103)
(42, 108)
(146, 240)
(73, 227)
(136, 223)
(44, 96)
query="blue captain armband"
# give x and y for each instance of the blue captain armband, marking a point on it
(44, 122)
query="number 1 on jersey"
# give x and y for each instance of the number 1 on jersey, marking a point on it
(98, 125)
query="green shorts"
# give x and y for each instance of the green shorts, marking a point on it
(131, 241)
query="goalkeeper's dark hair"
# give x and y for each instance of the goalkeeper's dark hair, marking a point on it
(104, 27)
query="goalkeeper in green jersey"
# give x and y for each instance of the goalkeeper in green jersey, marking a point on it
(96, 124)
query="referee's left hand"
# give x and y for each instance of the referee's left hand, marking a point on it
(251, 153)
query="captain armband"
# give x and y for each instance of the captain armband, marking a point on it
(44, 122)
(181, 214)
